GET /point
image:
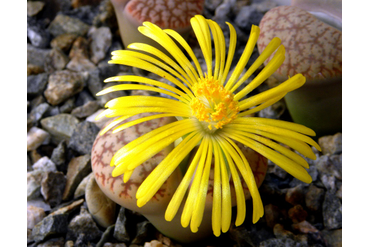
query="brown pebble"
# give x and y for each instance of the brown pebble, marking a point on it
(297, 214)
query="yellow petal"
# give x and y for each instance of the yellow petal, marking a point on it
(266, 72)
(270, 48)
(188, 210)
(134, 78)
(216, 204)
(188, 49)
(253, 36)
(188, 75)
(177, 198)
(160, 174)
(230, 54)
(287, 164)
(291, 84)
(144, 65)
(199, 205)
(202, 33)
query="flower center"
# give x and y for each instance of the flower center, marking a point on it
(213, 104)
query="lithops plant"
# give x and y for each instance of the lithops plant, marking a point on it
(124, 193)
(314, 49)
(173, 14)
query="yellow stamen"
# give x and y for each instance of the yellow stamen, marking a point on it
(213, 104)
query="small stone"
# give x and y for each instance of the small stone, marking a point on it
(339, 192)
(29, 164)
(59, 156)
(34, 7)
(52, 187)
(36, 56)
(51, 225)
(80, 47)
(34, 216)
(79, 3)
(333, 238)
(39, 202)
(86, 109)
(56, 60)
(331, 144)
(101, 208)
(95, 82)
(81, 188)
(69, 243)
(80, 63)
(34, 184)
(83, 137)
(34, 69)
(115, 245)
(144, 231)
(36, 84)
(65, 24)
(82, 227)
(60, 127)
(83, 97)
(101, 40)
(280, 232)
(304, 227)
(120, 229)
(78, 168)
(247, 16)
(314, 198)
(297, 214)
(37, 34)
(106, 236)
(63, 85)
(64, 41)
(67, 106)
(295, 195)
(37, 113)
(223, 10)
(245, 237)
(330, 170)
(44, 164)
(272, 215)
(54, 242)
(212, 4)
(279, 242)
(153, 243)
(37, 137)
(69, 209)
(332, 211)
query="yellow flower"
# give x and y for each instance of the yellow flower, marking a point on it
(210, 114)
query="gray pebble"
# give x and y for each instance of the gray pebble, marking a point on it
(101, 40)
(37, 113)
(37, 34)
(34, 179)
(332, 211)
(44, 164)
(314, 197)
(83, 137)
(52, 187)
(83, 228)
(36, 56)
(55, 60)
(52, 242)
(80, 63)
(78, 168)
(60, 126)
(51, 225)
(58, 156)
(34, 216)
(120, 229)
(36, 84)
(86, 109)
(34, 7)
(65, 24)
